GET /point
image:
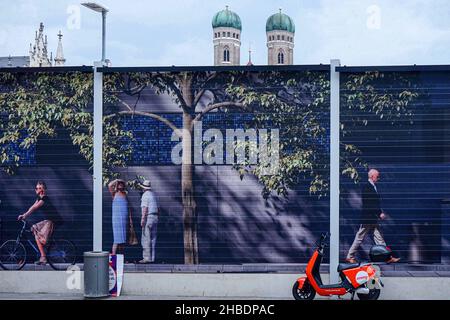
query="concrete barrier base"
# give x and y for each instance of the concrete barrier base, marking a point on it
(207, 286)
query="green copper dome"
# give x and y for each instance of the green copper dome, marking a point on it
(280, 21)
(226, 18)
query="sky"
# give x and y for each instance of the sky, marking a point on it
(170, 32)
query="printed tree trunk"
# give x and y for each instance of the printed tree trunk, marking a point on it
(187, 195)
(187, 172)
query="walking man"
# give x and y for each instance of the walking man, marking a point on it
(370, 216)
(149, 222)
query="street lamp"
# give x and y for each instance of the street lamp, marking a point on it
(98, 134)
(96, 262)
(99, 8)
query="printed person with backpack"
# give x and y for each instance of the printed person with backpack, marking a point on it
(43, 229)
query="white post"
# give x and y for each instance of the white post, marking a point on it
(334, 170)
(98, 157)
(103, 35)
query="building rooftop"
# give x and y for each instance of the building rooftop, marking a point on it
(14, 61)
(280, 21)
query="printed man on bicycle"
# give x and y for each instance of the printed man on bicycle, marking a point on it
(43, 229)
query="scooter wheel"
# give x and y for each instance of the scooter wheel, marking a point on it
(374, 294)
(305, 293)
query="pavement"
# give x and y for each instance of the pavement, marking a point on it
(216, 282)
(53, 296)
(388, 270)
(59, 285)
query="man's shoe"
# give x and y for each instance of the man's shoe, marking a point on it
(144, 261)
(393, 260)
(351, 260)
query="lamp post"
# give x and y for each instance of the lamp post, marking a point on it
(98, 134)
(96, 263)
(99, 8)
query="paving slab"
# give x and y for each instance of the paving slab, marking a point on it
(233, 268)
(209, 268)
(423, 273)
(395, 274)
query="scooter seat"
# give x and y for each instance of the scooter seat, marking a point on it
(345, 266)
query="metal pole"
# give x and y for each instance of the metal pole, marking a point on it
(98, 159)
(103, 35)
(334, 170)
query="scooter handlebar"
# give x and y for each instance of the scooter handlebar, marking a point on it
(323, 237)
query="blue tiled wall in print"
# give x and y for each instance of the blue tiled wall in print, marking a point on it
(152, 138)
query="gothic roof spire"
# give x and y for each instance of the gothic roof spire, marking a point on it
(59, 58)
(39, 57)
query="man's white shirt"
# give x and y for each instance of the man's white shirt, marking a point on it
(149, 200)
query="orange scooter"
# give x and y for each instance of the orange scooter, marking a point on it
(362, 279)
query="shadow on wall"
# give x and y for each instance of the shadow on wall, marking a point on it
(235, 224)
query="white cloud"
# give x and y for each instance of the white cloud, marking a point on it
(179, 32)
(339, 30)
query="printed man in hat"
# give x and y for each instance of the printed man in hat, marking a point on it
(149, 222)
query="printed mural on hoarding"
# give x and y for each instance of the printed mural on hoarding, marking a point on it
(211, 166)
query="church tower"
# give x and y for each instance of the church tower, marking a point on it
(227, 29)
(59, 58)
(280, 32)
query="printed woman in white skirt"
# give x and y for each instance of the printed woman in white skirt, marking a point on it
(117, 188)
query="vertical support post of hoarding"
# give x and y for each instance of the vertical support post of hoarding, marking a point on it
(98, 158)
(334, 169)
